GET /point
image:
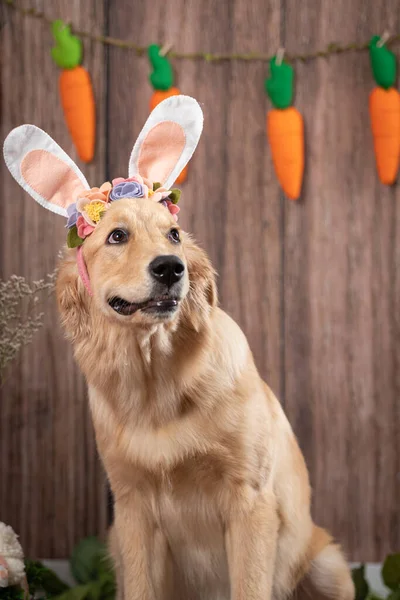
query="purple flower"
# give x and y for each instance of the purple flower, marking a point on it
(127, 189)
(72, 215)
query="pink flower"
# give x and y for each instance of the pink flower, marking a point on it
(100, 193)
(83, 228)
(173, 208)
(159, 194)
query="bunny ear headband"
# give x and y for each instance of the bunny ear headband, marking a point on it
(164, 146)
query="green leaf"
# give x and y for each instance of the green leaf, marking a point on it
(88, 560)
(108, 587)
(98, 591)
(52, 584)
(279, 85)
(73, 239)
(102, 589)
(162, 76)
(106, 565)
(12, 592)
(394, 595)
(41, 578)
(156, 185)
(383, 63)
(391, 571)
(175, 195)
(33, 569)
(360, 583)
(80, 592)
(67, 53)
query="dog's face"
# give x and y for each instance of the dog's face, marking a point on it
(136, 262)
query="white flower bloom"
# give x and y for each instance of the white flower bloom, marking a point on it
(11, 552)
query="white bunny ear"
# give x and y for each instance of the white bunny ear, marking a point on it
(167, 141)
(43, 169)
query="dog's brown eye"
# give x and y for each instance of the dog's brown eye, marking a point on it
(174, 236)
(118, 236)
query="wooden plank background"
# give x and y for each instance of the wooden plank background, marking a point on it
(314, 284)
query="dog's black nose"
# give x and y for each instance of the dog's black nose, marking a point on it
(167, 269)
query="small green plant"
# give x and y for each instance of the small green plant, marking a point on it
(390, 576)
(92, 569)
(90, 566)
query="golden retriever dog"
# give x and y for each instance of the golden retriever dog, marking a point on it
(211, 492)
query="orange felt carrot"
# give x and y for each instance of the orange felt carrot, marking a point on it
(285, 129)
(285, 132)
(78, 105)
(76, 91)
(162, 79)
(160, 95)
(182, 175)
(384, 108)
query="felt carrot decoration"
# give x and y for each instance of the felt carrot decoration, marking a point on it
(285, 129)
(75, 90)
(384, 108)
(162, 80)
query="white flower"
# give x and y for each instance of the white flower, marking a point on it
(11, 552)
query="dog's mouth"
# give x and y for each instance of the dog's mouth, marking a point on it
(162, 305)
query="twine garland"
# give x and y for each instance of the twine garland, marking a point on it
(330, 50)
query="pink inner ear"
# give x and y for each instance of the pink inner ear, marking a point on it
(161, 150)
(51, 177)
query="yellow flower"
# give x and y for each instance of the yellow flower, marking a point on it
(92, 203)
(94, 210)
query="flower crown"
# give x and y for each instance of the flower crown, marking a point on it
(86, 212)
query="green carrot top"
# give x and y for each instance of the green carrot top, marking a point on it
(279, 85)
(162, 76)
(67, 53)
(383, 63)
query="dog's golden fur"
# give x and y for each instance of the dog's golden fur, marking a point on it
(212, 499)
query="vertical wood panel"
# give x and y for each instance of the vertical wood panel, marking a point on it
(341, 244)
(51, 483)
(251, 267)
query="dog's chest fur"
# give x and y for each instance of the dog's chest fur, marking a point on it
(186, 504)
(189, 516)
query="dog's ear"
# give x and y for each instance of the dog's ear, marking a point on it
(72, 300)
(167, 141)
(202, 296)
(43, 169)
(211, 290)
